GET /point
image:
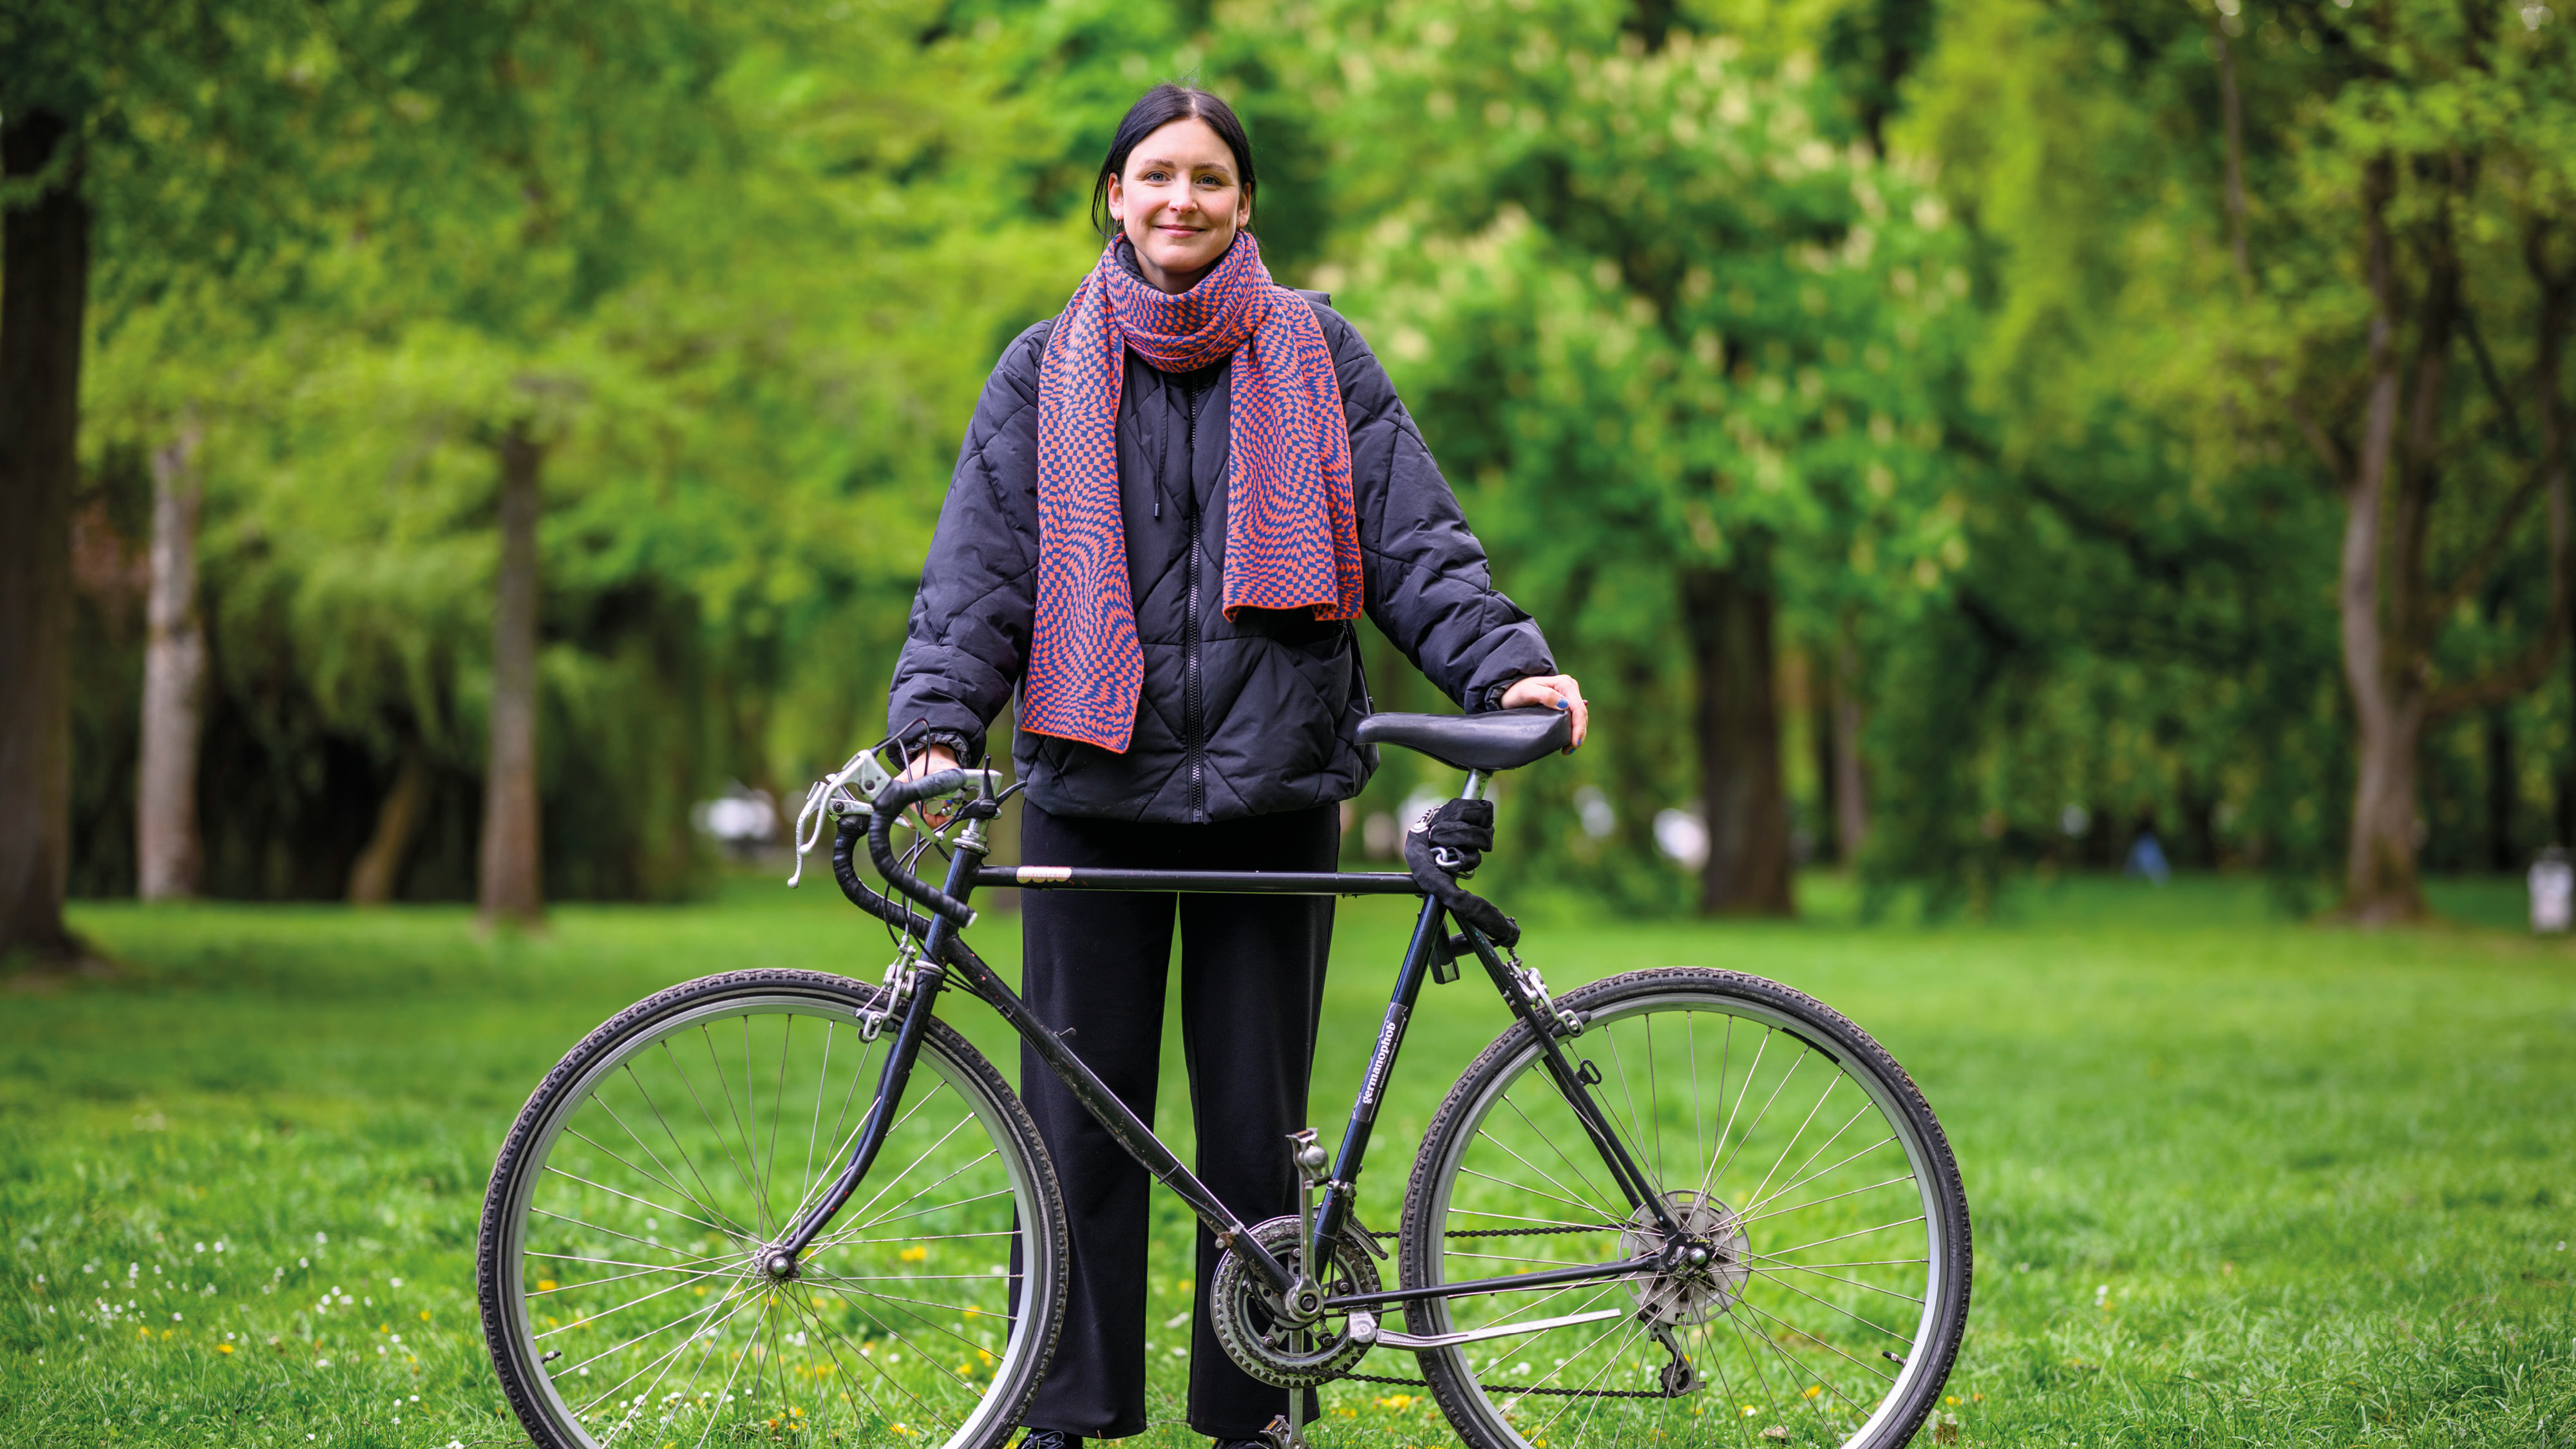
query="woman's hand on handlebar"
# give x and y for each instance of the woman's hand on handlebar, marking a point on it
(1556, 691)
(930, 760)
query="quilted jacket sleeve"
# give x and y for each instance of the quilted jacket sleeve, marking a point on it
(968, 638)
(1428, 586)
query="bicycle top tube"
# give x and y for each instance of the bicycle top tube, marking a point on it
(1232, 882)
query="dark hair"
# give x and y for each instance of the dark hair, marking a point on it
(1156, 109)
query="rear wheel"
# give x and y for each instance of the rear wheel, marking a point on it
(1796, 1159)
(620, 1295)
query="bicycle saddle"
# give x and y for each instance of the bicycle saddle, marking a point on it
(1502, 739)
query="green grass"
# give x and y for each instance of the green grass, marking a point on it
(2235, 1179)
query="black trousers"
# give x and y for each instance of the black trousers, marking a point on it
(1252, 981)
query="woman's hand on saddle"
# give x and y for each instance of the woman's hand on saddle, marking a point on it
(1556, 691)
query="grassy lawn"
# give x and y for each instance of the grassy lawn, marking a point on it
(2235, 1179)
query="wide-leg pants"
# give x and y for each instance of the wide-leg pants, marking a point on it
(1252, 980)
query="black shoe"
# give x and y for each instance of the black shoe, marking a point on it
(1051, 1439)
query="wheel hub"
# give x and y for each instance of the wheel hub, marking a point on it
(1707, 1264)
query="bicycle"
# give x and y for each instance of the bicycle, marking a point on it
(1678, 1204)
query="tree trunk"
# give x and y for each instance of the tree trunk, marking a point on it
(378, 871)
(2567, 779)
(1729, 623)
(168, 860)
(1821, 722)
(44, 266)
(2388, 709)
(512, 886)
(2499, 792)
(1851, 790)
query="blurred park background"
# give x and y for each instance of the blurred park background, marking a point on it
(479, 457)
(447, 446)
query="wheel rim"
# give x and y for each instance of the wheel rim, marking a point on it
(1811, 1165)
(628, 1273)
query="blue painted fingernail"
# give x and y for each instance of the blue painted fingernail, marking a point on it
(1560, 704)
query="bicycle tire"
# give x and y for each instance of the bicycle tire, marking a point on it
(907, 1324)
(1779, 1345)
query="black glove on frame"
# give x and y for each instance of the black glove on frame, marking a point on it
(1462, 831)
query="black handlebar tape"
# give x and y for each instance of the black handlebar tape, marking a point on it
(845, 870)
(890, 802)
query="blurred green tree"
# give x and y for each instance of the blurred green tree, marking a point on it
(2299, 239)
(1680, 335)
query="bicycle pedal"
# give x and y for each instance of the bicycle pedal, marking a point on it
(1283, 1435)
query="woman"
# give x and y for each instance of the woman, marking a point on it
(1172, 501)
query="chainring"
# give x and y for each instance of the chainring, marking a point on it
(1249, 1324)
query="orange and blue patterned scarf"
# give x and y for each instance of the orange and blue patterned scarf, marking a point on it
(1291, 535)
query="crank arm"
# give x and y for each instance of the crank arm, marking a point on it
(1364, 1329)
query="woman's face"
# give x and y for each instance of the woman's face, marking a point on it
(1180, 202)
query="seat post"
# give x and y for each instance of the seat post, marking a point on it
(1476, 782)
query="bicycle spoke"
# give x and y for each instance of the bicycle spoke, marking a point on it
(1767, 1103)
(1534, 1167)
(1853, 1282)
(589, 1318)
(1811, 1177)
(1550, 1139)
(759, 1214)
(694, 1336)
(813, 1134)
(1819, 1202)
(630, 1197)
(1792, 1144)
(1862, 1232)
(682, 1152)
(1552, 1197)
(662, 1176)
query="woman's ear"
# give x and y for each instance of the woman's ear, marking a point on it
(1117, 200)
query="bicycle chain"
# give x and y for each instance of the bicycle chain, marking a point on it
(1510, 1388)
(1510, 1232)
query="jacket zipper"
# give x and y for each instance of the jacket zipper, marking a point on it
(1190, 620)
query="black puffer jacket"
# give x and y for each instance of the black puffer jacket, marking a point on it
(1240, 716)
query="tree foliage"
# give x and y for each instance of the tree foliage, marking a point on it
(1939, 333)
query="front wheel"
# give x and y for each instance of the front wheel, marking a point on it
(1790, 1149)
(621, 1298)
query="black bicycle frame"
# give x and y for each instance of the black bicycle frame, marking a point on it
(1432, 946)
